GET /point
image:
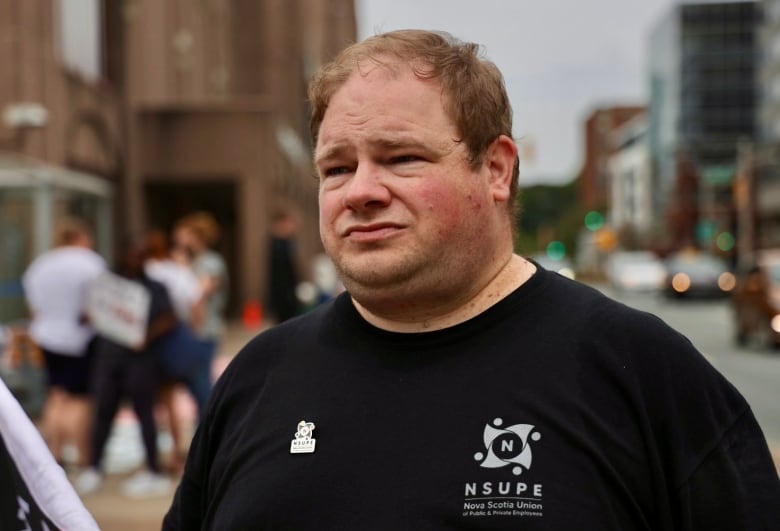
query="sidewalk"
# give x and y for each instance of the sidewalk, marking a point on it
(124, 454)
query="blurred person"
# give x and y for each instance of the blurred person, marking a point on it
(283, 277)
(197, 233)
(131, 372)
(455, 384)
(173, 268)
(180, 351)
(55, 286)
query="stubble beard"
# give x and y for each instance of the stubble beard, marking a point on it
(408, 286)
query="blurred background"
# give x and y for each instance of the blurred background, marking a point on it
(649, 134)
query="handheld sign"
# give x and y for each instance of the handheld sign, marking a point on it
(118, 309)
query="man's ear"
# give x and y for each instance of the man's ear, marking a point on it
(500, 163)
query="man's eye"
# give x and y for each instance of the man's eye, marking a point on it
(336, 170)
(405, 158)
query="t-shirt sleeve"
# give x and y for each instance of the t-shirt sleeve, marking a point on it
(185, 510)
(709, 454)
(736, 486)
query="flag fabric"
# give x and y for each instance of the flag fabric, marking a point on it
(35, 494)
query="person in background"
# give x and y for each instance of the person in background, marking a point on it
(132, 372)
(174, 270)
(197, 234)
(283, 277)
(55, 286)
(455, 384)
(179, 351)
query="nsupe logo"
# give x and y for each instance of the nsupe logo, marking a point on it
(507, 446)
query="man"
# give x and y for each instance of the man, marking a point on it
(455, 384)
(55, 287)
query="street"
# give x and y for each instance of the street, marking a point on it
(754, 370)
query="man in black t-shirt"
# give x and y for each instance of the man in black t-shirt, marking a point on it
(456, 385)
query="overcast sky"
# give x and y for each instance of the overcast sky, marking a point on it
(560, 58)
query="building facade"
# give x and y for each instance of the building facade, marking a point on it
(704, 58)
(760, 180)
(180, 106)
(593, 178)
(60, 137)
(631, 182)
(216, 118)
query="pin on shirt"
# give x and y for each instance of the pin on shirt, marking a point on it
(303, 442)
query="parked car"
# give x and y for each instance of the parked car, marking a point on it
(635, 271)
(691, 273)
(756, 300)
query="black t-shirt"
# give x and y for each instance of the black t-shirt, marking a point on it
(556, 409)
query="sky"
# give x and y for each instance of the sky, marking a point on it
(561, 59)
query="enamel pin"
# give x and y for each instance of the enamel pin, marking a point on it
(303, 442)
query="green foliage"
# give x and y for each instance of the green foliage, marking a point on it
(547, 213)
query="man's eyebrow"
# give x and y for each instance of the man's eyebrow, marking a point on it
(400, 142)
(329, 152)
(386, 142)
(395, 142)
(336, 150)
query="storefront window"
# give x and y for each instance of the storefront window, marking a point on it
(16, 248)
(32, 200)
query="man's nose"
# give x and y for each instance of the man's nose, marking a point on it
(367, 188)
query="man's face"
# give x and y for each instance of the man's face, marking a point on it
(401, 209)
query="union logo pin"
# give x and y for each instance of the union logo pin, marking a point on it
(304, 442)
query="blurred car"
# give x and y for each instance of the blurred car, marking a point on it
(562, 266)
(756, 300)
(697, 274)
(635, 271)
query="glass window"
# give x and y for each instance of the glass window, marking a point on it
(80, 36)
(16, 248)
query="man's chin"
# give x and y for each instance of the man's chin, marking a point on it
(373, 278)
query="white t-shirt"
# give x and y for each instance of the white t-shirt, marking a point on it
(180, 281)
(55, 285)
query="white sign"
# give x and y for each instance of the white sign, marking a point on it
(118, 309)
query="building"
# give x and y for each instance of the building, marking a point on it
(593, 184)
(159, 108)
(630, 210)
(214, 103)
(592, 180)
(702, 105)
(60, 147)
(759, 188)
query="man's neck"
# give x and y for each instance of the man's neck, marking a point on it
(511, 276)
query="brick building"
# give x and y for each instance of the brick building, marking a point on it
(593, 181)
(155, 108)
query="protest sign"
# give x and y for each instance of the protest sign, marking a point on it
(118, 309)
